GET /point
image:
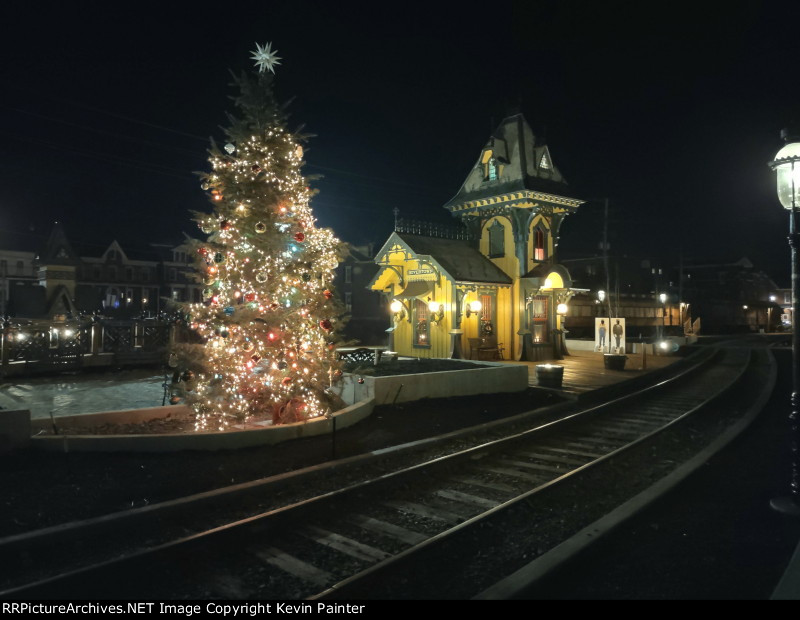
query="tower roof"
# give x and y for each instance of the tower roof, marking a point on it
(522, 163)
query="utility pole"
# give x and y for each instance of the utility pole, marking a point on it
(608, 276)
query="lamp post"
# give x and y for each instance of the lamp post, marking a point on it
(662, 297)
(787, 167)
(562, 310)
(772, 299)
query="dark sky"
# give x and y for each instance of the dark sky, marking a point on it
(671, 112)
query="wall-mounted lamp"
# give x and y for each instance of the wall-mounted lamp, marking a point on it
(662, 297)
(437, 311)
(601, 295)
(562, 309)
(398, 309)
(473, 307)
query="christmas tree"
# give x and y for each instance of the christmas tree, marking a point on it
(266, 324)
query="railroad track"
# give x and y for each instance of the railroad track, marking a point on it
(343, 541)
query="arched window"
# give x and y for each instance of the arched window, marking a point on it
(539, 244)
(497, 237)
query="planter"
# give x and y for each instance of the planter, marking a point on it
(614, 362)
(549, 375)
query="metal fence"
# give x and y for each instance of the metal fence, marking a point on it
(57, 347)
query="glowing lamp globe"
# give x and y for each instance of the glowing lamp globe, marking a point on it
(395, 306)
(787, 166)
(475, 306)
(561, 309)
(434, 306)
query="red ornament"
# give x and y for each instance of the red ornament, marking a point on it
(328, 294)
(256, 168)
(326, 325)
(299, 237)
(286, 380)
(250, 297)
(224, 225)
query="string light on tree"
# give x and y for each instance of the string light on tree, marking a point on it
(265, 322)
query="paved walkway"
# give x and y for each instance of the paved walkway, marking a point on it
(83, 393)
(585, 370)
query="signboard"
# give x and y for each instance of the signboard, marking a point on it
(609, 335)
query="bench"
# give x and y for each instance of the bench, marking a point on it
(485, 348)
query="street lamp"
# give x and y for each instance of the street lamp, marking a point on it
(787, 167)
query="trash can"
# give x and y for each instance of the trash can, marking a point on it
(549, 375)
(614, 362)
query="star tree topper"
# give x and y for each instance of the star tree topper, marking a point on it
(265, 57)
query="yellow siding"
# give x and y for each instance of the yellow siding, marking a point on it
(509, 263)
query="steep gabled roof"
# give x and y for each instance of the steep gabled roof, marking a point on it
(527, 165)
(58, 250)
(459, 261)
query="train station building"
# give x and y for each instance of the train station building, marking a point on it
(491, 286)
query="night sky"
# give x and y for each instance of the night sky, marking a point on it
(672, 113)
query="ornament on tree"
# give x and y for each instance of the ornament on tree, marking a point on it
(286, 380)
(260, 227)
(261, 277)
(326, 325)
(299, 237)
(299, 152)
(306, 277)
(256, 168)
(204, 186)
(248, 346)
(224, 225)
(219, 257)
(187, 375)
(328, 294)
(228, 310)
(229, 148)
(282, 365)
(250, 297)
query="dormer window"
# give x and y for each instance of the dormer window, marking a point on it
(492, 170)
(543, 163)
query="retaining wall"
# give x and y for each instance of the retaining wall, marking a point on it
(494, 377)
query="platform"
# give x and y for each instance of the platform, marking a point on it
(585, 371)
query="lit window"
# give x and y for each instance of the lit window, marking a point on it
(492, 170)
(539, 252)
(421, 326)
(544, 164)
(348, 302)
(539, 318)
(348, 274)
